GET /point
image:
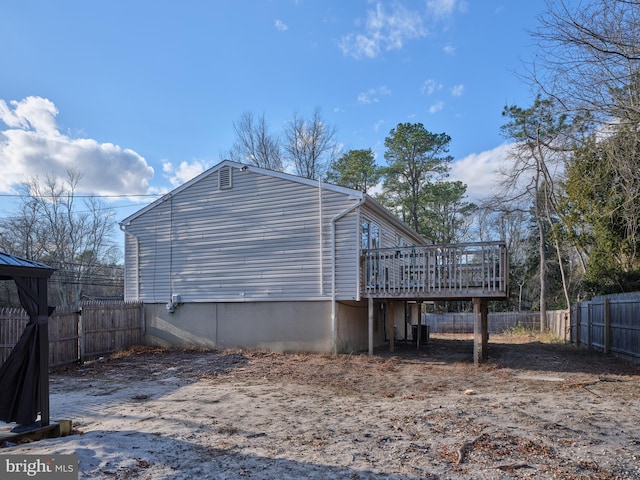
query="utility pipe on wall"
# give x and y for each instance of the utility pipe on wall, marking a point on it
(321, 241)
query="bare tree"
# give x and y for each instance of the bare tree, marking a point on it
(589, 62)
(310, 145)
(495, 221)
(54, 227)
(254, 145)
(538, 154)
(589, 56)
(18, 234)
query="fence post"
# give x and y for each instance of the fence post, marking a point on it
(81, 337)
(578, 322)
(143, 323)
(589, 321)
(607, 322)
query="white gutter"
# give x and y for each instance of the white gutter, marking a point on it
(333, 267)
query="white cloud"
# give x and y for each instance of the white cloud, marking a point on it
(430, 86)
(280, 25)
(33, 113)
(457, 91)
(445, 8)
(389, 26)
(183, 172)
(384, 30)
(449, 49)
(377, 125)
(32, 145)
(441, 8)
(372, 95)
(480, 171)
(436, 107)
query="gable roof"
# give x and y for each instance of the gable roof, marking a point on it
(351, 193)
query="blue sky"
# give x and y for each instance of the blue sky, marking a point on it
(139, 96)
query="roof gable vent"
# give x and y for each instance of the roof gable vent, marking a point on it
(224, 178)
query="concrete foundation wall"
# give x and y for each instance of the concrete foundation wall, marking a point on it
(274, 326)
(353, 327)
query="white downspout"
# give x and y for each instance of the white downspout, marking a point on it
(333, 267)
(321, 239)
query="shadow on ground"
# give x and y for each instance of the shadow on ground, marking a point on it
(136, 454)
(514, 352)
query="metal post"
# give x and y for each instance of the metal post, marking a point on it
(43, 340)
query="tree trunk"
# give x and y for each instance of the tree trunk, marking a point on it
(543, 274)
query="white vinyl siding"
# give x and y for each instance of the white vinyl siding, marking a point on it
(154, 232)
(349, 244)
(347, 257)
(131, 269)
(257, 240)
(260, 239)
(389, 235)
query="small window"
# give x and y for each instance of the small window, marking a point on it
(375, 236)
(370, 235)
(224, 178)
(365, 235)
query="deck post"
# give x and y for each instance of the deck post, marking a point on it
(415, 315)
(370, 313)
(392, 327)
(480, 330)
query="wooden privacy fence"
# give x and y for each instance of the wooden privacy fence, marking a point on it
(78, 333)
(498, 322)
(609, 323)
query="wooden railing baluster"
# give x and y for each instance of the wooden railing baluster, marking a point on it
(436, 271)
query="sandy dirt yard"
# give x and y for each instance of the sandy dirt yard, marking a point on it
(536, 410)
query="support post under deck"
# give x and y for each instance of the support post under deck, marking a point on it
(416, 319)
(480, 330)
(370, 313)
(392, 326)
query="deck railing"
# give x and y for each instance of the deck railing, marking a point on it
(436, 271)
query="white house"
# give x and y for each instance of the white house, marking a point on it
(241, 256)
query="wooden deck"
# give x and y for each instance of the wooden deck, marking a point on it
(436, 272)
